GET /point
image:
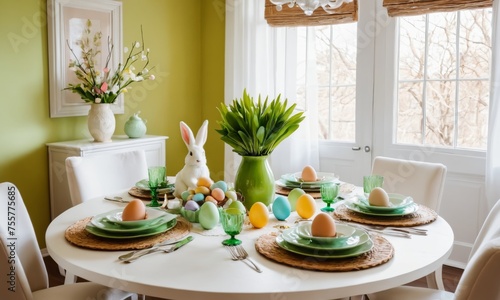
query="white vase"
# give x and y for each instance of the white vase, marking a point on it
(101, 122)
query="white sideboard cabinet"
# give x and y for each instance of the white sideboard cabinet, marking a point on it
(60, 200)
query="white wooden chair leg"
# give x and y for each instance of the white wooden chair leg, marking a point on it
(69, 278)
(435, 279)
(61, 271)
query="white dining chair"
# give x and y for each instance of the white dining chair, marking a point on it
(99, 175)
(423, 181)
(480, 277)
(23, 269)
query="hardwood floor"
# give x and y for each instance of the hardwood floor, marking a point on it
(451, 276)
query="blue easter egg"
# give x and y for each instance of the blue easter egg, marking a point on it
(199, 197)
(219, 184)
(281, 208)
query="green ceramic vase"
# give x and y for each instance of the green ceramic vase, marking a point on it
(255, 181)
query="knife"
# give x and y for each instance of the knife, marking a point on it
(158, 249)
(116, 199)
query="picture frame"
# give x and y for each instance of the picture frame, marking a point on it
(65, 20)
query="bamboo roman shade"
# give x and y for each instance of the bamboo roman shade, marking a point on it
(295, 16)
(399, 8)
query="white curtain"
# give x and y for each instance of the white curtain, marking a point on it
(262, 60)
(493, 152)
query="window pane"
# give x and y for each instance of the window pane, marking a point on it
(409, 118)
(443, 93)
(412, 48)
(473, 114)
(440, 113)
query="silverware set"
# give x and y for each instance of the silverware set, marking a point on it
(405, 232)
(167, 247)
(239, 253)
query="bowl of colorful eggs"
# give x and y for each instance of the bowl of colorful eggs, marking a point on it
(202, 204)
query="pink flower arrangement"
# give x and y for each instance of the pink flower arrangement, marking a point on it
(100, 85)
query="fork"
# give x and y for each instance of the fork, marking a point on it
(236, 256)
(243, 254)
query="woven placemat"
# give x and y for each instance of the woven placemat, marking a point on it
(77, 235)
(345, 188)
(143, 194)
(285, 191)
(381, 253)
(423, 215)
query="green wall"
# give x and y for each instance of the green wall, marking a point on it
(186, 39)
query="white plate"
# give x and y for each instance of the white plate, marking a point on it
(115, 216)
(291, 236)
(397, 201)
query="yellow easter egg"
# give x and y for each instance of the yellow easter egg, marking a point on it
(258, 215)
(204, 181)
(202, 190)
(306, 206)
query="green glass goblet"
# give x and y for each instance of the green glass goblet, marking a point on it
(232, 222)
(372, 181)
(329, 193)
(156, 178)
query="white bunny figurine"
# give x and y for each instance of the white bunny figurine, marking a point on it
(195, 161)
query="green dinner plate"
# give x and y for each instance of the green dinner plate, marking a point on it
(396, 213)
(115, 216)
(103, 224)
(358, 250)
(323, 178)
(124, 235)
(291, 236)
(397, 201)
(289, 185)
(164, 188)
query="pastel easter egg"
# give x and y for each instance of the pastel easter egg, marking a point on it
(281, 208)
(185, 195)
(204, 181)
(238, 205)
(231, 195)
(211, 199)
(198, 197)
(219, 184)
(258, 215)
(218, 194)
(293, 196)
(202, 190)
(209, 215)
(192, 205)
(306, 206)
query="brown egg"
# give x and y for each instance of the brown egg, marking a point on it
(323, 225)
(379, 197)
(309, 174)
(134, 211)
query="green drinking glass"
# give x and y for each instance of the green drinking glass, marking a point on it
(372, 181)
(156, 178)
(232, 222)
(329, 193)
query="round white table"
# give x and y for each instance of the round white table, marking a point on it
(203, 268)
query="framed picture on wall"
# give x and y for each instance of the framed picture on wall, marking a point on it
(67, 20)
